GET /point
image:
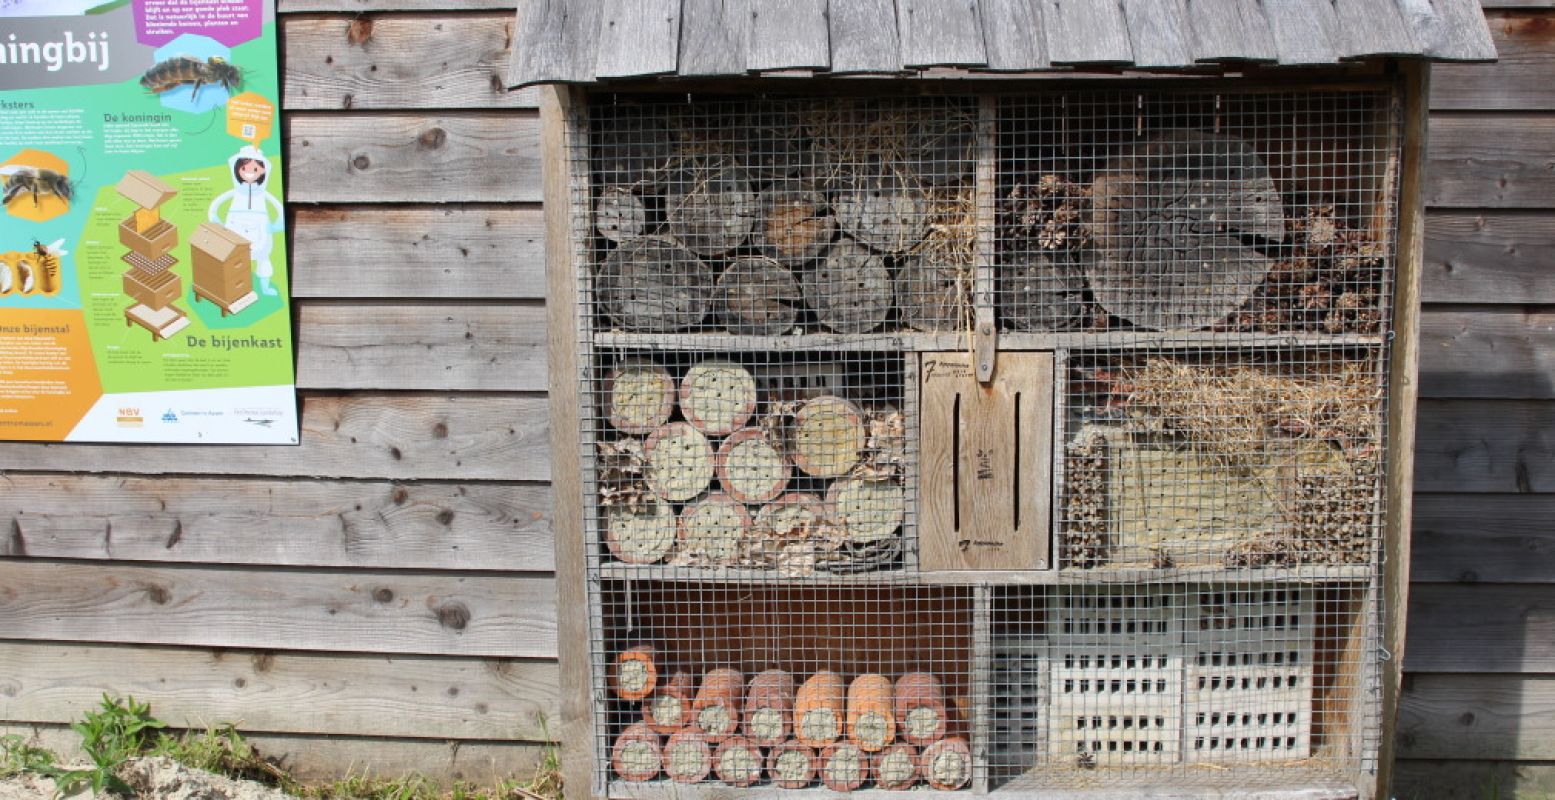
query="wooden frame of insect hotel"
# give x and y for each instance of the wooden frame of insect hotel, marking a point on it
(1035, 422)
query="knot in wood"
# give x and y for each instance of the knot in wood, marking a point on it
(432, 138)
(454, 616)
(158, 595)
(383, 595)
(361, 162)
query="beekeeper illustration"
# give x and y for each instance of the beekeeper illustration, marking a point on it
(249, 213)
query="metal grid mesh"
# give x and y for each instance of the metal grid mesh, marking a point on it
(761, 281)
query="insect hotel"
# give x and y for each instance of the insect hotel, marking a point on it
(1035, 421)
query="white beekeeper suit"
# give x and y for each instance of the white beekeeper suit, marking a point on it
(249, 214)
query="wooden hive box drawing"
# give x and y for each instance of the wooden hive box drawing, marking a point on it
(223, 272)
(144, 232)
(1095, 385)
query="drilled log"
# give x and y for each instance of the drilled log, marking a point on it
(640, 396)
(619, 214)
(1179, 223)
(710, 210)
(750, 469)
(793, 223)
(769, 707)
(757, 296)
(828, 437)
(644, 535)
(1043, 292)
(934, 296)
(887, 213)
(843, 766)
(851, 290)
(668, 709)
(653, 285)
(869, 510)
(717, 397)
(680, 462)
(712, 531)
(636, 755)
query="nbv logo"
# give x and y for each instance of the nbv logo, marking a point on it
(169, 416)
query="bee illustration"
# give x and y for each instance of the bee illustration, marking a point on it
(36, 181)
(165, 76)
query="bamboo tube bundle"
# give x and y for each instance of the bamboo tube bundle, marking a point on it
(791, 765)
(828, 436)
(843, 766)
(871, 718)
(619, 213)
(769, 707)
(947, 764)
(921, 714)
(793, 224)
(895, 767)
(868, 510)
(636, 755)
(717, 704)
(668, 709)
(680, 462)
(712, 531)
(688, 756)
(758, 297)
(750, 469)
(717, 397)
(643, 535)
(640, 396)
(635, 672)
(851, 290)
(819, 709)
(737, 762)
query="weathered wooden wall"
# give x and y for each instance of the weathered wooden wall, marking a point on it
(380, 597)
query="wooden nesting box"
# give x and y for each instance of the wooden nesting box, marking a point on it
(144, 232)
(223, 268)
(153, 289)
(1086, 404)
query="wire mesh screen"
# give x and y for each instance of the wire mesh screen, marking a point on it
(822, 555)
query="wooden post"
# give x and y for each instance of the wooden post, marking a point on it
(984, 342)
(563, 248)
(1405, 389)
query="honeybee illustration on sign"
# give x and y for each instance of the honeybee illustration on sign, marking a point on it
(178, 71)
(36, 185)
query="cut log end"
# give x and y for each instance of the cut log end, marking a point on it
(947, 764)
(717, 397)
(896, 767)
(887, 214)
(680, 462)
(873, 730)
(871, 718)
(767, 725)
(636, 673)
(828, 437)
(869, 510)
(641, 397)
(758, 297)
(654, 285)
(711, 211)
(820, 725)
(636, 755)
(794, 224)
(641, 536)
(738, 762)
(716, 721)
(791, 765)
(666, 713)
(851, 291)
(712, 531)
(1042, 293)
(934, 297)
(750, 469)
(619, 214)
(688, 758)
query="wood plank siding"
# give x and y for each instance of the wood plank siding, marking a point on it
(380, 598)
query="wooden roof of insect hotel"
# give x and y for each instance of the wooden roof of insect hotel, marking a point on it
(144, 189)
(586, 41)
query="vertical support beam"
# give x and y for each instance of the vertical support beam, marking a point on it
(1404, 380)
(985, 344)
(576, 729)
(1060, 442)
(982, 683)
